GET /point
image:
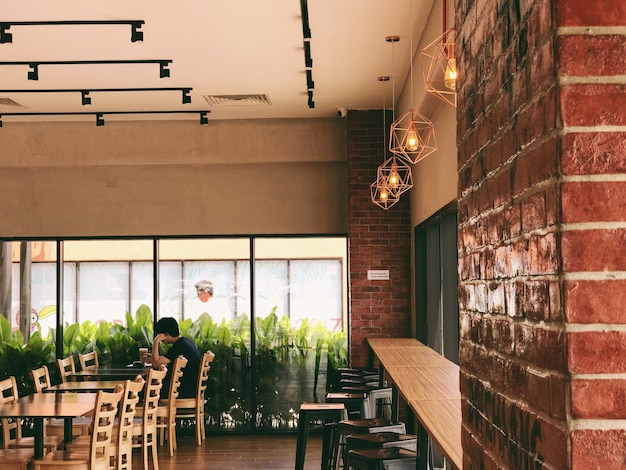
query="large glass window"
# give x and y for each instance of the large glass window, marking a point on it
(266, 334)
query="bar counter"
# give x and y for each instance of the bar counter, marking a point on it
(429, 383)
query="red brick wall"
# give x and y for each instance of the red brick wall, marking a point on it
(378, 239)
(541, 112)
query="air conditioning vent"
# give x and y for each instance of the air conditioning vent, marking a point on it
(8, 103)
(237, 100)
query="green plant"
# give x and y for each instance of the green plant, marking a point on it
(288, 367)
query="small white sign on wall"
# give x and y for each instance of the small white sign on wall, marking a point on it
(377, 274)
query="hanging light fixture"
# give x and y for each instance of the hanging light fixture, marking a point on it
(394, 176)
(394, 172)
(381, 196)
(412, 135)
(439, 65)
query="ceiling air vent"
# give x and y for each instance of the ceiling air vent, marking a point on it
(8, 103)
(237, 100)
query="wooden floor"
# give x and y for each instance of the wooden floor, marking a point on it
(237, 452)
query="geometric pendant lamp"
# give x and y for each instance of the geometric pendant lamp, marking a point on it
(439, 67)
(393, 176)
(412, 137)
(381, 196)
(396, 174)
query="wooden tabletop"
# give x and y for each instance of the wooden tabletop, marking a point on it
(427, 382)
(107, 372)
(448, 437)
(47, 405)
(86, 386)
(430, 385)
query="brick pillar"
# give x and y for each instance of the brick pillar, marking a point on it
(541, 232)
(378, 239)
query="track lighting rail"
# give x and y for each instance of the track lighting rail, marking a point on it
(135, 25)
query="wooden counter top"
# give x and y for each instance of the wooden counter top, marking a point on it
(429, 383)
(442, 420)
(426, 382)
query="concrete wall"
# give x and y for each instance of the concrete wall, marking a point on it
(173, 178)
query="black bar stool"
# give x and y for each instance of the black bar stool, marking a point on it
(359, 426)
(390, 458)
(379, 440)
(356, 403)
(310, 412)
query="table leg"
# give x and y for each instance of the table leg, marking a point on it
(38, 429)
(303, 432)
(67, 430)
(395, 398)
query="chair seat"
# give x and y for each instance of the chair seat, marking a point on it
(81, 456)
(16, 458)
(70, 460)
(50, 443)
(80, 426)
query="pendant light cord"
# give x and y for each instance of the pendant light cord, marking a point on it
(411, 46)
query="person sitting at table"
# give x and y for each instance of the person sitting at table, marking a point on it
(166, 331)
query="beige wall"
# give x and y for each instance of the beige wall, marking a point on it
(173, 178)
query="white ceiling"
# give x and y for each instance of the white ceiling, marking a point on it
(217, 47)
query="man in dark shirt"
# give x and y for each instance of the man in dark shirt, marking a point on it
(166, 331)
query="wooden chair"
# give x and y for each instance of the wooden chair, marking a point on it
(123, 444)
(12, 427)
(166, 411)
(194, 407)
(88, 361)
(41, 378)
(53, 426)
(66, 367)
(97, 456)
(122, 440)
(16, 459)
(145, 424)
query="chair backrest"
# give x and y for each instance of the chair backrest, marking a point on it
(8, 390)
(11, 427)
(41, 378)
(66, 367)
(177, 372)
(105, 411)
(88, 361)
(203, 375)
(125, 422)
(154, 383)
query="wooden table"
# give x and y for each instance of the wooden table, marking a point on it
(49, 405)
(429, 383)
(111, 373)
(86, 386)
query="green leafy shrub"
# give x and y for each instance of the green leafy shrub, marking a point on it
(289, 360)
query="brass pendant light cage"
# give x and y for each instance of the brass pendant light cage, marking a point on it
(412, 137)
(381, 196)
(396, 175)
(439, 68)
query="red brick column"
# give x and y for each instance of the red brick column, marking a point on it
(541, 232)
(378, 239)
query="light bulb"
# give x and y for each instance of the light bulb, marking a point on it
(394, 177)
(383, 195)
(412, 139)
(450, 74)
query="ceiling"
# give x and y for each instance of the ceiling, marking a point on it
(216, 47)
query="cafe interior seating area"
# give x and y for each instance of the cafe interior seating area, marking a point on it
(395, 227)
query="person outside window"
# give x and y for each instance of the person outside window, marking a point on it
(204, 289)
(166, 331)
